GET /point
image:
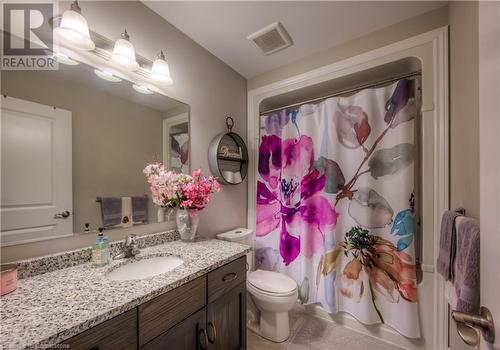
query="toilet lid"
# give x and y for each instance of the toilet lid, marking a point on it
(272, 282)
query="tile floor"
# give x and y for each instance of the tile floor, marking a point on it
(312, 333)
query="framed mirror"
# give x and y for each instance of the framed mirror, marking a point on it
(74, 144)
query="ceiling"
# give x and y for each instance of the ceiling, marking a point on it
(222, 27)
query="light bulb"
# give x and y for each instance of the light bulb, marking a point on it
(160, 71)
(142, 89)
(65, 59)
(124, 53)
(74, 29)
(107, 76)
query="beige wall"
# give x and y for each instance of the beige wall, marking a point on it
(462, 18)
(386, 36)
(113, 139)
(464, 106)
(210, 87)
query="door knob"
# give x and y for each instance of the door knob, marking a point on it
(483, 322)
(64, 215)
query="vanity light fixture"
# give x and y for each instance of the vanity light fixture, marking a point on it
(107, 76)
(142, 89)
(160, 71)
(74, 29)
(64, 59)
(124, 53)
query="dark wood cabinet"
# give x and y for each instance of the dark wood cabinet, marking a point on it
(226, 320)
(165, 311)
(190, 334)
(208, 313)
(119, 333)
(225, 278)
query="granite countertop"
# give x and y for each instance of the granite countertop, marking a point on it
(51, 307)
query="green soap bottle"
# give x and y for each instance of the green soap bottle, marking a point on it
(100, 250)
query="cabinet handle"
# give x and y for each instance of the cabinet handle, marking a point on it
(229, 277)
(214, 332)
(203, 339)
(94, 348)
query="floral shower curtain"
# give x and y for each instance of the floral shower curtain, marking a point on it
(335, 203)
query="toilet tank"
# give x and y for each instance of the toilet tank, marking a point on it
(243, 236)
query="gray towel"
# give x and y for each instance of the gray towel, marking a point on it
(447, 242)
(111, 210)
(467, 278)
(140, 209)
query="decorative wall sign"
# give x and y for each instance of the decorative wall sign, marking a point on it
(228, 156)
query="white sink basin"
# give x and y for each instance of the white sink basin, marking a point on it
(144, 268)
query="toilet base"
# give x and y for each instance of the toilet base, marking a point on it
(274, 326)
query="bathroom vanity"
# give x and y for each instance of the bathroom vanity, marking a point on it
(206, 313)
(199, 305)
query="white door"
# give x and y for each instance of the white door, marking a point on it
(36, 183)
(489, 172)
(489, 121)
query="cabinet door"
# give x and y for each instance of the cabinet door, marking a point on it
(226, 320)
(165, 311)
(190, 334)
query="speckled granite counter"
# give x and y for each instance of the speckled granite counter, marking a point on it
(49, 308)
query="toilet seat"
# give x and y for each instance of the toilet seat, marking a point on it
(271, 283)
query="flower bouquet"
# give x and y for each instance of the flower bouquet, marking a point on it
(188, 193)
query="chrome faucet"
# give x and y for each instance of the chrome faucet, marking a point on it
(130, 250)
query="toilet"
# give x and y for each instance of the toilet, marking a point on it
(274, 294)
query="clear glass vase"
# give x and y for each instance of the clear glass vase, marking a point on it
(161, 214)
(187, 223)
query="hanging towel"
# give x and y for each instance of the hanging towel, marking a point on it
(467, 266)
(126, 220)
(111, 210)
(447, 243)
(140, 209)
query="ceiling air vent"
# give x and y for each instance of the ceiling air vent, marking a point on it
(271, 39)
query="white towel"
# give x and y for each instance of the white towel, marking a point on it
(450, 294)
(127, 212)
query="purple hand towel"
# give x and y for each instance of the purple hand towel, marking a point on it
(111, 210)
(467, 275)
(447, 243)
(140, 209)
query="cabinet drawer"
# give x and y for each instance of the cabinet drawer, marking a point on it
(119, 333)
(162, 313)
(226, 277)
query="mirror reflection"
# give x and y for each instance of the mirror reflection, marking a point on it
(74, 143)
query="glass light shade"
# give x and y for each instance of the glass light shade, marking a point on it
(65, 59)
(124, 53)
(107, 76)
(74, 31)
(142, 89)
(160, 71)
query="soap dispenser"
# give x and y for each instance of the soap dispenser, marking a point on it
(100, 249)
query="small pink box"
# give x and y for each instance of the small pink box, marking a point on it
(8, 278)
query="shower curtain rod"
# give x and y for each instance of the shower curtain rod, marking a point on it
(343, 92)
